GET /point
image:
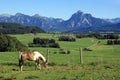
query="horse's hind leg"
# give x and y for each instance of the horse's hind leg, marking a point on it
(20, 65)
(21, 68)
(36, 66)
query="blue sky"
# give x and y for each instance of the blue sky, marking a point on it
(62, 8)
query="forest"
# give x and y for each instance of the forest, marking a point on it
(14, 28)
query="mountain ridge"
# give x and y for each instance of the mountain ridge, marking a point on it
(78, 22)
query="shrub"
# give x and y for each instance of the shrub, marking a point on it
(40, 41)
(87, 49)
(43, 42)
(36, 40)
(110, 36)
(67, 38)
(80, 35)
(113, 42)
(62, 51)
(55, 45)
(3, 43)
(51, 41)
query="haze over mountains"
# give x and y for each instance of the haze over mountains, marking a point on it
(78, 22)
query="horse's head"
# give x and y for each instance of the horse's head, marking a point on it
(46, 64)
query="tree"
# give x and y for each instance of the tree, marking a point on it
(43, 42)
(8, 43)
(67, 38)
(3, 42)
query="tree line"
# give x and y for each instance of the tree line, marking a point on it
(43, 42)
(14, 28)
(8, 43)
(113, 42)
(98, 35)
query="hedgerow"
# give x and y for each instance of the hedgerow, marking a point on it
(43, 42)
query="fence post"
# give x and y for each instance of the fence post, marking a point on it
(47, 58)
(81, 59)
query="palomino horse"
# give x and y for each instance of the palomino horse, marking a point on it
(32, 56)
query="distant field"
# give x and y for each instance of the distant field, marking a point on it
(102, 63)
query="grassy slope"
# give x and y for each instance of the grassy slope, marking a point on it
(100, 64)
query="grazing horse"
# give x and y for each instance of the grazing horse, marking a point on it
(32, 56)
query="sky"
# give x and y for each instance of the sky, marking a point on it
(61, 8)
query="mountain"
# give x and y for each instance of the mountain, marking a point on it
(115, 20)
(78, 22)
(36, 20)
(81, 22)
(111, 27)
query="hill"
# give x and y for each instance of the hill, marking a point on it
(14, 28)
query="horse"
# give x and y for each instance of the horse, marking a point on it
(32, 56)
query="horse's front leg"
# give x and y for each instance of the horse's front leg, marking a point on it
(37, 66)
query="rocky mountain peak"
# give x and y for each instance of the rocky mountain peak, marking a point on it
(19, 14)
(36, 15)
(78, 13)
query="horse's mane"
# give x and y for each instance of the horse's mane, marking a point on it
(43, 58)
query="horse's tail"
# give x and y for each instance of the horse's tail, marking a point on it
(20, 60)
(20, 55)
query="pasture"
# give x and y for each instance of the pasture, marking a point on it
(102, 63)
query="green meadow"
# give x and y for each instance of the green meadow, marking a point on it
(101, 63)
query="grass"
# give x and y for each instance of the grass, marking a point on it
(102, 63)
